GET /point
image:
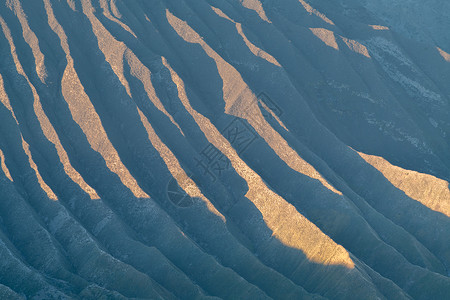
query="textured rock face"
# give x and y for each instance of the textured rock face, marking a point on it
(193, 149)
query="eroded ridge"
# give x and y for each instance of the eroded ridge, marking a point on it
(216, 149)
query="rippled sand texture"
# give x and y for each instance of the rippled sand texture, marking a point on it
(181, 149)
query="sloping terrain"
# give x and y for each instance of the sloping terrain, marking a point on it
(224, 149)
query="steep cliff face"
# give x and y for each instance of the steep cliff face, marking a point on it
(224, 149)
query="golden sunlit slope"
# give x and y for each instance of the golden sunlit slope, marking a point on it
(220, 149)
